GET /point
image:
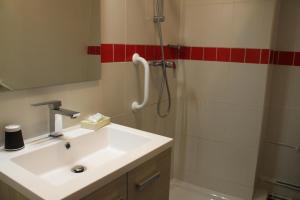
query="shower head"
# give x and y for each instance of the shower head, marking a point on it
(159, 11)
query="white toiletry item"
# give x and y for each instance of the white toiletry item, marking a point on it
(95, 118)
(95, 121)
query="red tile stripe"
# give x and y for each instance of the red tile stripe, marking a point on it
(107, 53)
(124, 52)
(210, 54)
(223, 54)
(238, 55)
(197, 53)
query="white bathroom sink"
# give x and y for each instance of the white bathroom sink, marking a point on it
(93, 151)
(45, 165)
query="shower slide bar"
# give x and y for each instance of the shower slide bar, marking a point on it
(136, 59)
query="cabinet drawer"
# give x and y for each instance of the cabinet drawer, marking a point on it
(115, 190)
(151, 180)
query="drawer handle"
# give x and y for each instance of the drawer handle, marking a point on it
(140, 186)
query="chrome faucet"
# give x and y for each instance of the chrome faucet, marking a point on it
(55, 116)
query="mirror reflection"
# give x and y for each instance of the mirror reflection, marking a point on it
(48, 42)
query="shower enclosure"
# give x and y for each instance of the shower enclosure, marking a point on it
(235, 103)
(237, 130)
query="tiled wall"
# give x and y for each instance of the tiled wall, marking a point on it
(282, 124)
(122, 21)
(224, 101)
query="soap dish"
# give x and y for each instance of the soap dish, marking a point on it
(95, 125)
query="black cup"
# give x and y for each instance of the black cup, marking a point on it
(13, 138)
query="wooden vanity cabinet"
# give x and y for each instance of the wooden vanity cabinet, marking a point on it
(149, 181)
(115, 190)
(9, 193)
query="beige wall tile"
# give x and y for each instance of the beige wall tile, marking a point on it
(113, 21)
(171, 26)
(153, 123)
(284, 88)
(283, 126)
(296, 22)
(231, 163)
(112, 82)
(207, 177)
(247, 84)
(223, 156)
(166, 125)
(191, 154)
(207, 24)
(207, 80)
(253, 23)
(133, 120)
(287, 25)
(228, 123)
(140, 28)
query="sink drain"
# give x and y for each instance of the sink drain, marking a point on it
(78, 169)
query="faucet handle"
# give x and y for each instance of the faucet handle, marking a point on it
(53, 105)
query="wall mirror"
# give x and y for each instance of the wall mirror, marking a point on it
(48, 42)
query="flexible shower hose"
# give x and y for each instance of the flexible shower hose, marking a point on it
(164, 80)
